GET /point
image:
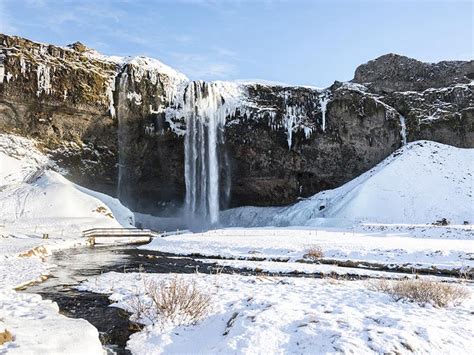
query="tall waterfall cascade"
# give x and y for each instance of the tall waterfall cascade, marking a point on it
(206, 107)
(119, 110)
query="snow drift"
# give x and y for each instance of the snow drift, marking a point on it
(421, 182)
(33, 195)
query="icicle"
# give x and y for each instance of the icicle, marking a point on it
(109, 92)
(22, 65)
(403, 130)
(289, 122)
(323, 102)
(43, 79)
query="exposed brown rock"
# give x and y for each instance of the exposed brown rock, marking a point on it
(96, 117)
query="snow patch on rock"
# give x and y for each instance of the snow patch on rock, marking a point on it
(135, 97)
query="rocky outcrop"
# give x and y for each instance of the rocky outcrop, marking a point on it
(393, 72)
(151, 153)
(62, 98)
(118, 124)
(322, 153)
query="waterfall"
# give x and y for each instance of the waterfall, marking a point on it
(120, 110)
(205, 107)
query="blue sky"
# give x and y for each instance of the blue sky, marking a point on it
(297, 42)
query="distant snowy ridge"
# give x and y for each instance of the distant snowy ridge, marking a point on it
(420, 183)
(32, 195)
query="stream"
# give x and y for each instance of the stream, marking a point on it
(76, 265)
(72, 266)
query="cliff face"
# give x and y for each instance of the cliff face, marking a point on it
(61, 97)
(118, 124)
(393, 72)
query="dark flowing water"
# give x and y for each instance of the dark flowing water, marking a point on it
(76, 265)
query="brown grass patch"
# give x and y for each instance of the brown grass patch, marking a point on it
(5, 337)
(314, 253)
(176, 302)
(41, 252)
(422, 291)
(104, 211)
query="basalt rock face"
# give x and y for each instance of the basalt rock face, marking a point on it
(322, 153)
(392, 72)
(59, 96)
(119, 125)
(68, 99)
(150, 154)
(436, 99)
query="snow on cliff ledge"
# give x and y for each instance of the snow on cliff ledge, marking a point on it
(34, 196)
(420, 183)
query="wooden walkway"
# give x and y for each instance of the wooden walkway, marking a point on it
(92, 234)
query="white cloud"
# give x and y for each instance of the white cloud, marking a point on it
(217, 70)
(224, 52)
(198, 66)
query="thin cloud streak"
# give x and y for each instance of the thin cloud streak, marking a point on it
(198, 66)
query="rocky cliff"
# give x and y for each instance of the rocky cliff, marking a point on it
(119, 124)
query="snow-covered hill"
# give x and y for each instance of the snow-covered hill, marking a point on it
(32, 196)
(420, 183)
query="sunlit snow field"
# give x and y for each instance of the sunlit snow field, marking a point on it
(259, 313)
(274, 315)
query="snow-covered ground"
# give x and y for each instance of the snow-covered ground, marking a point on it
(38, 328)
(35, 200)
(422, 182)
(409, 247)
(273, 315)
(36, 325)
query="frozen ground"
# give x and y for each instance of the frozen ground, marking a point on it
(269, 314)
(411, 247)
(273, 315)
(36, 324)
(34, 200)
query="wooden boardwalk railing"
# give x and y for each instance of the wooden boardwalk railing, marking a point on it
(93, 233)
